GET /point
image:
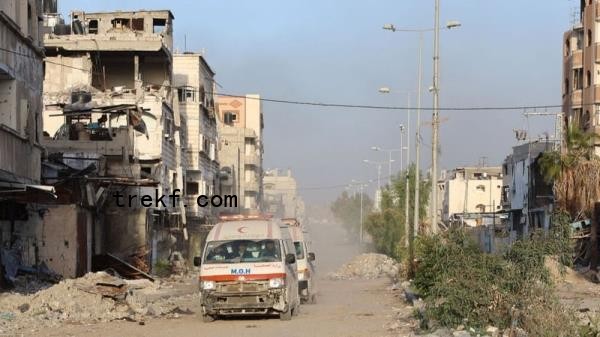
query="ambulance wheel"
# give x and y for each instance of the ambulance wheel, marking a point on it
(286, 315)
(208, 318)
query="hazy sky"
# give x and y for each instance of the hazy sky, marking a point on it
(507, 53)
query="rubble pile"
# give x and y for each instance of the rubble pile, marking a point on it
(95, 297)
(367, 266)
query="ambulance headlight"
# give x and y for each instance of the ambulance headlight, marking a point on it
(276, 283)
(208, 285)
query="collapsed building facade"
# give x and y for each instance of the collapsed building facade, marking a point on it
(110, 126)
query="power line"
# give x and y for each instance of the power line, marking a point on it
(327, 104)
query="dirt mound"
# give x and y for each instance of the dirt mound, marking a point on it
(562, 274)
(367, 266)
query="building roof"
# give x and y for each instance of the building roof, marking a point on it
(157, 11)
(198, 55)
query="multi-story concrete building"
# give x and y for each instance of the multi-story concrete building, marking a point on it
(194, 80)
(526, 197)
(195, 84)
(241, 149)
(281, 195)
(21, 74)
(470, 192)
(109, 109)
(581, 70)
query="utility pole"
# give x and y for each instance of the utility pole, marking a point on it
(415, 227)
(407, 188)
(435, 118)
(361, 213)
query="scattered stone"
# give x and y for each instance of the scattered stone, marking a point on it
(367, 266)
(23, 307)
(461, 333)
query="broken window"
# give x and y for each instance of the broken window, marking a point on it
(480, 188)
(229, 117)
(120, 23)
(137, 24)
(578, 79)
(186, 94)
(480, 208)
(93, 27)
(158, 25)
(191, 188)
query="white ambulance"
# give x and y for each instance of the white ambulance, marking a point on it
(305, 260)
(248, 267)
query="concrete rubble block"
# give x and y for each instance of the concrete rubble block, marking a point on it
(368, 266)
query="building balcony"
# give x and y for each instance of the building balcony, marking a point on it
(249, 133)
(251, 186)
(577, 58)
(120, 142)
(252, 160)
(577, 97)
(18, 156)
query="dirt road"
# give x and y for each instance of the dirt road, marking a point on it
(344, 308)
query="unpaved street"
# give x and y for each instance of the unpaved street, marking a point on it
(344, 308)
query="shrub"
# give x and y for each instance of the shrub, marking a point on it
(460, 283)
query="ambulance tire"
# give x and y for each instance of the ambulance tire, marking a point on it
(208, 318)
(286, 315)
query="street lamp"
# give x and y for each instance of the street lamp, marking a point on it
(378, 164)
(390, 160)
(435, 89)
(360, 185)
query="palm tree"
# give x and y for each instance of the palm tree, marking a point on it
(575, 172)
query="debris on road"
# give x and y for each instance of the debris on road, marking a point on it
(95, 297)
(367, 266)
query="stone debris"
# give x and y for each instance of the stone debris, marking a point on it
(95, 297)
(367, 266)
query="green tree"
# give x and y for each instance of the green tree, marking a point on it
(575, 173)
(387, 227)
(346, 209)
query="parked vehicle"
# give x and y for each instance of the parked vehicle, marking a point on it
(248, 267)
(305, 260)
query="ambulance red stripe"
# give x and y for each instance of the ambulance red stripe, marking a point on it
(248, 277)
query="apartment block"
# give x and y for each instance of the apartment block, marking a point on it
(241, 149)
(281, 195)
(469, 193)
(581, 70)
(194, 80)
(109, 115)
(526, 196)
(21, 74)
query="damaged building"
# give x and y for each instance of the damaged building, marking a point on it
(110, 125)
(24, 214)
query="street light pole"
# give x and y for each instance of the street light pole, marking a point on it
(435, 117)
(361, 213)
(415, 228)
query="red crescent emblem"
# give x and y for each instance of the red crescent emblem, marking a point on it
(242, 229)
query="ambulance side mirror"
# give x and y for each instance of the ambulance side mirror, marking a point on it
(311, 256)
(197, 261)
(290, 258)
